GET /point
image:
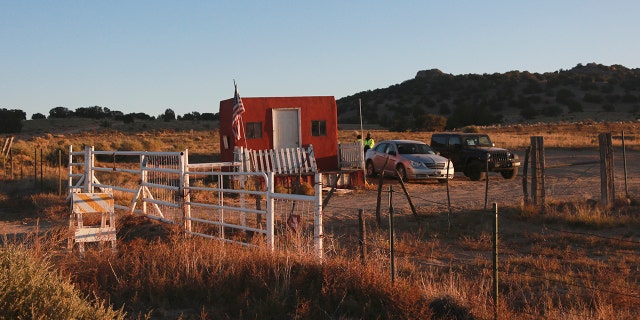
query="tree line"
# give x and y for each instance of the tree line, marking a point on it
(433, 99)
(11, 119)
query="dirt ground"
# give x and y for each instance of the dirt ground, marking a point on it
(566, 179)
(563, 182)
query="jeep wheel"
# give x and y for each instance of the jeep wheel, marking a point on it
(371, 171)
(509, 174)
(477, 171)
(402, 173)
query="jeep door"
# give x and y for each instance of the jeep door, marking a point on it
(453, 151)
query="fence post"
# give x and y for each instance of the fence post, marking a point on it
(87, 169)
(525, 168)
(624, 163)
(270, 214)
(537, 171)
(380, 182)
(318, 231)
(406, 193)
(607, 186)
(486, 178)
(59, 172)
(186, 191)
(70, 170)
(495, 261)
(363, 237)
(391, 242)
(449, 212)
(35, 168)
(41, 171)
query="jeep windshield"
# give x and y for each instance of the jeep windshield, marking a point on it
(414, 148)
(477, 141)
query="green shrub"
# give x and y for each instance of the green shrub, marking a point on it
(29, 289)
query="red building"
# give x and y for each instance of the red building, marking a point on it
(278, 122)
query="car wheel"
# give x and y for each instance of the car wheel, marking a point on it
(402, 173)
(509, 174)
(477, 171)
(371, 171)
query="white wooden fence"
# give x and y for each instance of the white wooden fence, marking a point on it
(351, 155)
(200, 197)
(292, 160)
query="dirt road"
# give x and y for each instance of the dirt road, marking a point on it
(564, 182)
(566, 179)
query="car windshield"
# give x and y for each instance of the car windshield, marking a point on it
(414, 148)
(478, 141)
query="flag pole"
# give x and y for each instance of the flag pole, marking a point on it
(362, 163)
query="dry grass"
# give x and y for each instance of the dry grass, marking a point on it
(559, 135)
(576, 261)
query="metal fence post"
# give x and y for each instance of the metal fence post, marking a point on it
(270, 215)
(495, 261)
(318, 230)
(391, 242)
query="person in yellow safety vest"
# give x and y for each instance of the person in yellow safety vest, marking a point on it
(359, 139)
(368, 142)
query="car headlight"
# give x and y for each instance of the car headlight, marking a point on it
(417, 164)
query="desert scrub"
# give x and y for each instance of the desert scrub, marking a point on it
(29, 289)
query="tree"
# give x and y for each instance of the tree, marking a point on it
(430, 122)
(95, 112)
(38, 116)
(468, 114)
(169, 115)
(529, 112)
(60, 112)
(210, 116)
(11, 120)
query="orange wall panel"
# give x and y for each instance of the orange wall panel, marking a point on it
(260, 110)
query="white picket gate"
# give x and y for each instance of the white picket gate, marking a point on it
(201, 197)
(292, 160)
(351, 155)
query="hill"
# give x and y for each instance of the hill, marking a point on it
(592, 91)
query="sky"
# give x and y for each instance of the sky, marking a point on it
(151, 55)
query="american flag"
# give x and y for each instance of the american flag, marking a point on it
(238, 110)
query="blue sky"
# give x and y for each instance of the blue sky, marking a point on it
(147, 56)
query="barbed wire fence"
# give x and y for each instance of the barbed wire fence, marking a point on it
(580, 258)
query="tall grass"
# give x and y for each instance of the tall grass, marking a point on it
(576, 261)
(31, 289)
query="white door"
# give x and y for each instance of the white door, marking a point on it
(286, 128)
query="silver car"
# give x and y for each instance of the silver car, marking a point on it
(408, 159)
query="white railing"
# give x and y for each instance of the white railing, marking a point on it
(280, 161)
(223, 209)
(204, 200)
(351, 155)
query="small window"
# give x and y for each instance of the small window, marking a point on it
(438, 141)
(454, 142)
(254, 130)
(318, 128)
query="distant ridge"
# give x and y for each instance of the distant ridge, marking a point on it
(585, 92)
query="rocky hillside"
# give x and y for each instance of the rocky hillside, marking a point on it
(591, 91)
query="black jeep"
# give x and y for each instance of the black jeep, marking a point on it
(470, 152)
